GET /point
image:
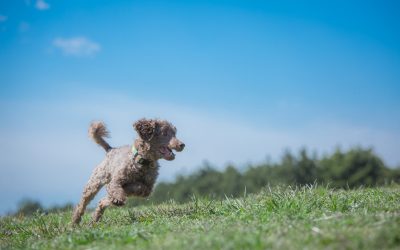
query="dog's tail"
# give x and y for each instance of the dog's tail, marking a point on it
(97, 131)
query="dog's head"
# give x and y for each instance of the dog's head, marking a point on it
(158, 138)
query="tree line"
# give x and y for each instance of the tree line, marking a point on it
(341, 169)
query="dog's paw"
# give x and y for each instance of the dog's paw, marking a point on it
(118, 202)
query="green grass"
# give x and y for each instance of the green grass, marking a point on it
(281, 218)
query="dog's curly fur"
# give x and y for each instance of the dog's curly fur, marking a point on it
(122, 174)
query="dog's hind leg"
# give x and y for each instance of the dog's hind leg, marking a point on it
(103, 204)
(96, 182)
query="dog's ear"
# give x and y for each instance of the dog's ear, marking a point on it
(145, 128)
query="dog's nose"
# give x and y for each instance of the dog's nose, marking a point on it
(182, 146)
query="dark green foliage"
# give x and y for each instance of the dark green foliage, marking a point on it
(354, 168)
(306, 170)
(28, 207)
(60, 208)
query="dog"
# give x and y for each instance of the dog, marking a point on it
(128, 170)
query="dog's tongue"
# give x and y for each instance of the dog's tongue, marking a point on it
(166, 152)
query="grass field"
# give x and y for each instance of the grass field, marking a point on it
(278, 218)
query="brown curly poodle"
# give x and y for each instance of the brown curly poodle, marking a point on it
(128, 170)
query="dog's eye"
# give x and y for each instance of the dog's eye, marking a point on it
(164, 133)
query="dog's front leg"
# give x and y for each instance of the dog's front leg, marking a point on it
(116, 192)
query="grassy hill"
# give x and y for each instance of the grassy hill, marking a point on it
(278, 218)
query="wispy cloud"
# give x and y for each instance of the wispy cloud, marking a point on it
(42, 5)
(3, 18)
(77, 46)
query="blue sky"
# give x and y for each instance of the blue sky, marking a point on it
(240, 79)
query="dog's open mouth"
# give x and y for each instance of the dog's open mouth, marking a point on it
(167, 153)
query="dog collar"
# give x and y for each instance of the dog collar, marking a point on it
(138, 158)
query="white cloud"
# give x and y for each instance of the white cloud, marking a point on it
(3, 18)
(77, 46)
(42, 5)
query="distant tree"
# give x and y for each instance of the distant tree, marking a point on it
(257, 176)
(305, 169)
(232, 182)
(28, 207)
(341, 169)
(393, 175)
(286, 170)
(354, 168)
(60, 208)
